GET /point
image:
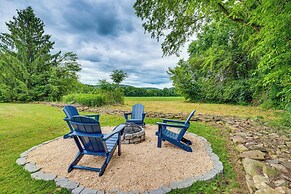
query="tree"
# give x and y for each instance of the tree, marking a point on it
(264, 24)
(118, 76)
(29, 70)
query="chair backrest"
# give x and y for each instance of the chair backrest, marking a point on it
(189, 117)
(137, 111)
(84, 126)
(187, 123)
(70, 111)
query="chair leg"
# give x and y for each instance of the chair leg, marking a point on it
(77, 159)
(186, 141)
(106, 162)
(159, 137)
(119, 146)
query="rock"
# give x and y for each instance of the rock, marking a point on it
(166, 189)
(89, 191)
(253, 154)
(286, 164)
(238, 139)
(43, 176)
(280, 182)
(250, 183)
(30, 167)
(260, 182)
(280, 167)
(267, 190)
(252, 167)
(21, 161)
(78, 190)
(241, 148)
(270, 172)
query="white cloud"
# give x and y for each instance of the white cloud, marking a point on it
(103, 40)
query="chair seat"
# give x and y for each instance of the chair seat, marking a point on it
(169, 134)
(134, 120)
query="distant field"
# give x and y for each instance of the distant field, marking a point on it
(154, 98)
(179, 104)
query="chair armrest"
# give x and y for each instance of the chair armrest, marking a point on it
(171, 125)
(126, 115)
(143, 115)
(94, 115)
(75, 133)
(117, 129)
(66, 119)
(173, 121)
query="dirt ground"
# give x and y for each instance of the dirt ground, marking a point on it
(140, 167)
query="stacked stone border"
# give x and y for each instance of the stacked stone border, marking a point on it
(76, 188)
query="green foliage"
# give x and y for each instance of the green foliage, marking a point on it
(28, 69)
(118, 76)
(133, 91)
(237, 41)
(93, 100)
(85, 99)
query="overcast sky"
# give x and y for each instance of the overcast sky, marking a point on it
(105, 34)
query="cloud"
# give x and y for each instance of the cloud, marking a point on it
(105, 34)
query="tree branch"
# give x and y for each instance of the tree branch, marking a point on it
(257, 28)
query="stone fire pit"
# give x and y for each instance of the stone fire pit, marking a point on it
(133, 134)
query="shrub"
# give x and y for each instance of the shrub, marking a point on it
(114, 97)
(85, 99)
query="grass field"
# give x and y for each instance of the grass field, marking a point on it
(23, 126)
(178, 104)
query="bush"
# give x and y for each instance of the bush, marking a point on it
(85, 99)
(93, 100)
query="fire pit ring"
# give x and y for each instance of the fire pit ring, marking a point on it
(132, 134)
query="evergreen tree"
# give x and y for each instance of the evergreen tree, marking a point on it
(29, 70)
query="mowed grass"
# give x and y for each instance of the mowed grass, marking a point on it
(23, 126)
(179, 104)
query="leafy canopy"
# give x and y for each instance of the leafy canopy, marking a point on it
(240, 45)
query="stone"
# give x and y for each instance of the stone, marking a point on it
(250, 183)
(157, 191)
(280, 167)
(78, 190)
(241, 148)
(185, 183)
(252, 167)
(270, 172)
(173, 185)
(30, 167)
(280, 182)
(89, 191)
(24, 154)
(267, 190)
(166, 189)
(21, 161)
(238, 139)
(286, 164)
(70, 185)
(43, 176)
(260, 182)
(253, 154)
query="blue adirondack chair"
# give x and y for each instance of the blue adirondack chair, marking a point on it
(177, 139)
(90, 140)
(71, 111)
(137, 115)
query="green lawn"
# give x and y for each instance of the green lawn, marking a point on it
(23, 126)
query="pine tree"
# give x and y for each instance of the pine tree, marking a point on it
(27, 65)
